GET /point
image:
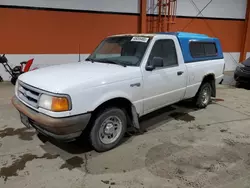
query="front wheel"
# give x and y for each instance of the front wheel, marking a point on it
(108, 129)
(238, 84)
(203, 96)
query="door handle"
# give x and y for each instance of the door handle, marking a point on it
(180, 73)
(135, 85)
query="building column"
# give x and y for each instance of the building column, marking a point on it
(246, 34)
(143, 16)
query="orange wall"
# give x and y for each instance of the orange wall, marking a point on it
(55, 32)
(228, 31)
(52, 32)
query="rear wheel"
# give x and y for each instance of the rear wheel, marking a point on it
(203, 96)
(108, 129)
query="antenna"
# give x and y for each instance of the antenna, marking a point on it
(79, 58)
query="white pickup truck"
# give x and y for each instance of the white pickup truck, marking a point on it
(126, 77)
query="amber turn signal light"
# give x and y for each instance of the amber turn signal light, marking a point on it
(59, 104)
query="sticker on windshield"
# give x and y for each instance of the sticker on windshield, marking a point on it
(140, 39)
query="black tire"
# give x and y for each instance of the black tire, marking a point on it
(95, 139)
(238, 84)
(13, 80)
(202, 101)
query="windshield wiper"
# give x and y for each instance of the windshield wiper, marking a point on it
(111, 62)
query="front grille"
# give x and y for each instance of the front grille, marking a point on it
(28, 94)
(246, 70)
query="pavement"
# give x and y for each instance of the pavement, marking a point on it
(183, 147)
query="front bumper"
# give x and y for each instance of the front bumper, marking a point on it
(242, 75)
(67, 128)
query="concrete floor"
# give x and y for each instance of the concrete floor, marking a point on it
(183, 147)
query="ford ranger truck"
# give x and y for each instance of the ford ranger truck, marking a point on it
(126, 77)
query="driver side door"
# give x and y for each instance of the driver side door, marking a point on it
(164, 85)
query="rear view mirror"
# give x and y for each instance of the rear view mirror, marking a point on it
(156, 62)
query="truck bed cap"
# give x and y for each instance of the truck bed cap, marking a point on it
(185, 38)
(186, 35)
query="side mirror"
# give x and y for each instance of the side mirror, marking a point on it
(156, 62)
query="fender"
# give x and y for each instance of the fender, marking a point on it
(113, 95)
(211, 73)
(134, 118)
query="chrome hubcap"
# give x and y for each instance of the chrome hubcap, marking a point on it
(205, 95)
(110, 130)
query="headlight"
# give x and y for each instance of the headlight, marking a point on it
(55, 104)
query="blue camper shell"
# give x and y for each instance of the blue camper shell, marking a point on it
(185, 39)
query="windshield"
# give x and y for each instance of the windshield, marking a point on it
(122, 50)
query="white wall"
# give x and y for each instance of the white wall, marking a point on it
(218, 8)
(231, 60)
(130, 6)
(40, 61)
(248, 54)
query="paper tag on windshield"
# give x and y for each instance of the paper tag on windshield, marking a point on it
(140, 39)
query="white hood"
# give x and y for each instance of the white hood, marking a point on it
(59, 78)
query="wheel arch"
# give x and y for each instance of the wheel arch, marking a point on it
(114, 102)
(210, 78)
(119, 102)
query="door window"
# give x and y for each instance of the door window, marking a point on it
(166, 50)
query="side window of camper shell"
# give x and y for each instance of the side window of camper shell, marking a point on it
(202, 49)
